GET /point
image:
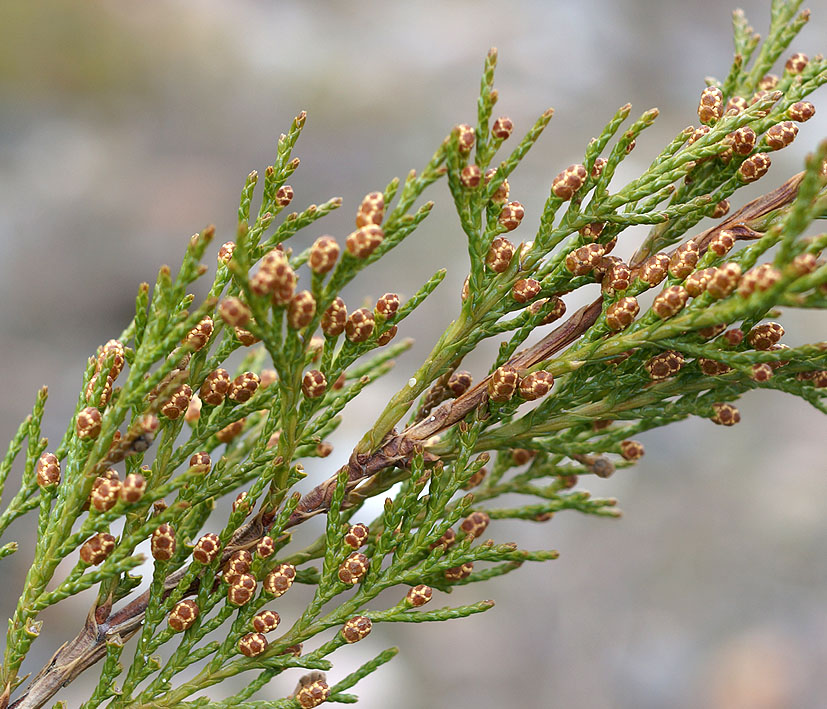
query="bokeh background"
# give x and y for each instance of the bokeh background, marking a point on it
(126, 127)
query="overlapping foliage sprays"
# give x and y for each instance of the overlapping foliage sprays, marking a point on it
(162, 430)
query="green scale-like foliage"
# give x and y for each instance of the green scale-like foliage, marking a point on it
(161, 432)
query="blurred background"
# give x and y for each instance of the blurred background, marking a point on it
(126, 127)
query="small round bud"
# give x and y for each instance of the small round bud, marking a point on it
(215, 387)
(460, 382)
(48, 470)
(312, 694)
(419, 595)
(618, 276)
(465, 137)
(566, 184)
(323, 449)
(763, 337)
(670, 302)
(725, 414)
(801, 111)
(713, 368)
(104, 494)
(301, 309)
(621, 314)
(684, 259)
(711, 105)
(323, 254)
(284, 195)
(284, 285)
(803, 264)
(183, 615)
(697, 282)
(106, 392)
(356, 629)
(631, 450)
(162, 543)
(759, 95)
(475, 524)
(736, 104)
(742, 140)
(655, 268)
(458, 573)
(334, 318)
(198, 337)
(511, 215)
(820, 379)
(707, 333)
(245, 337)
(724, 280)
(207, 548)
(733, 337)
(781, 135)
(525, 289)
(201, 462)
(364, 241)
(357, 536)
(471, 176)
(88, 423)
(265, 621)
(796, 63)
(521, 456)
(252, 644)
(500, 196)
(359, 326)
(722, 243)
(371, 210)
(354, 568)
(664, 364)
(446, 540)
(193, 412)
(241, 589)
(95, 549)
(536, 385)
(499, 254)
(231, 431)
(758, 279)
(242, 503)
(502, 128)
(234, 312)
(387, 336)
(115, 350)
(761, 372)
(280, 579)
(502, 384)
(314, 384)
(721, 209)
(387, 305)
(768, 82)
(597, 168)
(476, 479)
(225, 253)
(754, 167)
(243, 387)
(178, 402)
(266, 547)
(585, 259)
(592, 231)
(553, 307)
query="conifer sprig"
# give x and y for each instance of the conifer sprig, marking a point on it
(189, 433)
